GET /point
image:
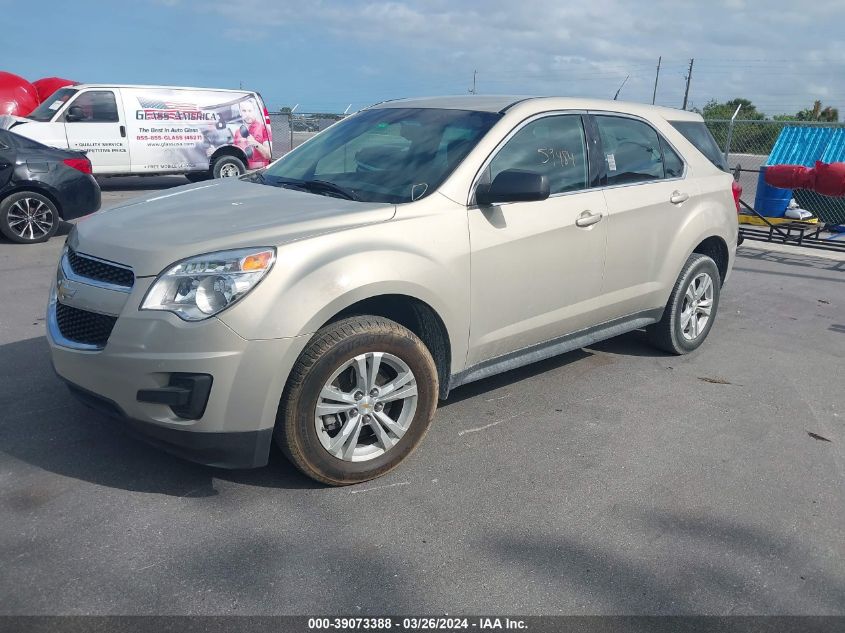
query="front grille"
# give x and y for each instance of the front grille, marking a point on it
(82, 326)
(99, 270)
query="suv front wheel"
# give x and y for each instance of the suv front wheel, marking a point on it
(360, 399)
(691, 308)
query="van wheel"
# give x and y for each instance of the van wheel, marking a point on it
(691, 310)
(228, 167)
(359, 400)
(27, 217)
(198, 176)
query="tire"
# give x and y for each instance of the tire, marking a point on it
(198, 176)
(307, 439)
(27, 217)
(676, 334)
(227, 167)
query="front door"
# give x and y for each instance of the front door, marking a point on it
(537, 266)
(94, 124)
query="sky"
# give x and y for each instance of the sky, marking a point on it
(327, 55)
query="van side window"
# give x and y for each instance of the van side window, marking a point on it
(98, 106)
(631, 150)
(554, 146)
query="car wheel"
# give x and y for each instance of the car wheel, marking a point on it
(691, 309)
(198, 176)
(228, 167)
(27, 217)
(359, 400)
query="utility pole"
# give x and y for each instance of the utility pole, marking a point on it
(472, 90)
(689, 78)
(654, 94)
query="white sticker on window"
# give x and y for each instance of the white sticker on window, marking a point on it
(611, 162)
(56, 104)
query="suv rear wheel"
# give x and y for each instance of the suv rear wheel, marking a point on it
(691, 309)
(360, 399)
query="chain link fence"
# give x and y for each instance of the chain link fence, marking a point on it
(292, 130)
(747, 145)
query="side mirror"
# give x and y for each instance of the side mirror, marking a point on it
(513, 185)
(74, 113)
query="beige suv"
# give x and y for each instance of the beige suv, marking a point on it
(328, 301)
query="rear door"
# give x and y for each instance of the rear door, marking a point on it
(649, 198)
(267, 122)
(94, 123)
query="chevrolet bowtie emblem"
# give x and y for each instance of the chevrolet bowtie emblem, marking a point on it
(64, 291)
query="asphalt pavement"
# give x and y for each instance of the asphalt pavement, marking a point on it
(610, 480)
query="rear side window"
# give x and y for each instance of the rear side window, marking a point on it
(98, 106)
(554, 146)
(671, 161)
(5, 140)
(631, 150)
(698, 134)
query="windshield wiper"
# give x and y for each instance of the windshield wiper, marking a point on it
(320, 187)
(329, 187)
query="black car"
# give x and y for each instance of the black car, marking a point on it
(40, 186)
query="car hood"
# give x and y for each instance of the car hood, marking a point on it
(151, 233)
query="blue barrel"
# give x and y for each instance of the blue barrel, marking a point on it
(770, 202)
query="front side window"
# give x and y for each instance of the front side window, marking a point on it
(95, 106)
(631, 150)
(554, 146)
(390, 155)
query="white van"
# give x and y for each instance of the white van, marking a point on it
(199, 132)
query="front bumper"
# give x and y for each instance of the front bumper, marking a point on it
(144, 351)
(240, 449)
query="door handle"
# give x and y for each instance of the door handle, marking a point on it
(3, 165)
(677, 197)
(588, 219)
(123, 131)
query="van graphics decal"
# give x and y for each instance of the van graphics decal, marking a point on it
(159, 110)
(182, 130)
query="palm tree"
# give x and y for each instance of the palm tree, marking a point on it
(827, 114)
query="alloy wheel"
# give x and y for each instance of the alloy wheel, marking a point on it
(30, 218)
(366, 406)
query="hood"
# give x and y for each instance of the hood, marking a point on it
(151, 233)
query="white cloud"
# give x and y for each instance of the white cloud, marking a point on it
(749, 49)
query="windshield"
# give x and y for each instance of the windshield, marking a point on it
(48, 107)
(390, 155)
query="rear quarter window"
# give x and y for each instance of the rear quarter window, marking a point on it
(696, 132)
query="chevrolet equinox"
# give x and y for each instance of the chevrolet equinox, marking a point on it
(328, 301)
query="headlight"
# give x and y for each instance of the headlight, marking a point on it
(200, 287)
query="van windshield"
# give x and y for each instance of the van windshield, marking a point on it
(48, 107)
(390, 155)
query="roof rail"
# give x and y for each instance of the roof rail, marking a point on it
(518, 101)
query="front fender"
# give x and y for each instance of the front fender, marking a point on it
(315, 279)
